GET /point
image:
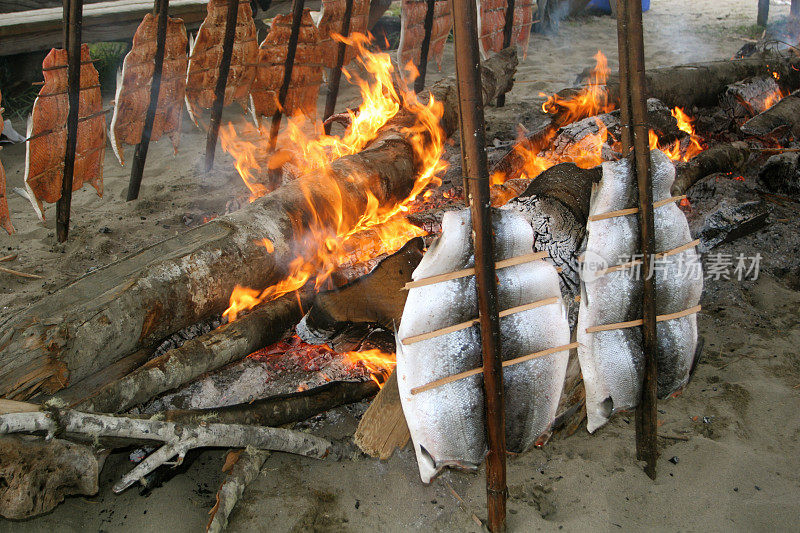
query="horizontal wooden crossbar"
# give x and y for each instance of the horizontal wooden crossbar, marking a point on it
(639, 322)
(629, 264)
(476, 371)
(513, 261)
(633, 210)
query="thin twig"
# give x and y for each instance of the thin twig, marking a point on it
(463, 505)
(8, 257)
(673, 437)
(20, 274)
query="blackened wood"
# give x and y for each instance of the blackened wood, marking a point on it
(646, 413)
(160, 10)
(231, 17)
(507, 32)
(297, 17)
(336, 73)
(73, 10)
(719, 158)
(763, 12)
(476, 176)
(419, 83)
(779, 119)
(794, 11)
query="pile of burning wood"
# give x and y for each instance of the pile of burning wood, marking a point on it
(305, 335)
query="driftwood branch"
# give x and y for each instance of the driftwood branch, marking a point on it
(242, 473)
(177, 439)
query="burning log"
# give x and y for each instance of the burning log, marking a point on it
(719, 158)
(111, 312)
(177, 439)
(262, 326)
(36, 476)
(744, 99)
(781, 173)
(777, 120)
(246, 468)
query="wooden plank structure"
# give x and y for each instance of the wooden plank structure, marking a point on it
(160, 10)
(73, 10)
(476, 183)
(633, 109)
(115, 20)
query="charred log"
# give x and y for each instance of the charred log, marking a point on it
(744, 99)
(781, 173)
(720, 158)
(777, 120)
(133, 303)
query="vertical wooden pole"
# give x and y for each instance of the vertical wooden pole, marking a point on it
(73, 15)
(425, 48)
(507, 31)
(794, 11)
(161, 11)
(336, 73)
(476, 172)
(624, 60)
(231, 17)
(763, 12)
(297, 16)
(646, 411)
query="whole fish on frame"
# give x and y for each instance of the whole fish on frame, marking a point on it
(447, 422)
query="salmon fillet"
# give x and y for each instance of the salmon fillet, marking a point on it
(330, 22)
(492, 22)
(206, 53)
(133, 86)
(47, 131)
(412, 31)
(5, 216)
(306, 72)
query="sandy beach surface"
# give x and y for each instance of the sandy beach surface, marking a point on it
(730, 452)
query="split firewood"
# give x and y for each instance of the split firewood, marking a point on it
(375, 298)
(245, 469)
(744, 99)
(306, 71)
(264, 325)
(36, 476)
(5, 216)
(206, 53)
(177, 439)
(383, 428)
(138, 301)
(47, 131)
(133, 86)
(719, 158)
(777, 120)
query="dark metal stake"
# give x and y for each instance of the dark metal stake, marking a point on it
(476, 172)
(336, 73)
(297, 16)
(646, 412)
(507, 30)
(160, 10)
(73, 21)
(419, 83)
(231, 17)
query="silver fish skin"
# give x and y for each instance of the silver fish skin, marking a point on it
(612, 361)
(447, 423)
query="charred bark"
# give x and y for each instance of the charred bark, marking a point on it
(777, 120)
(719, 158)
(747, 98)
(110, 313)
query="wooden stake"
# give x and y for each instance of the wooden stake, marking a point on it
(635, 87)
(336, 73)
(297, 15)
(160, 10)
(763, 12)
(476, 172)
(231, 17)
(507, 31)
(419, 83)
(73, 15)
(794, 11)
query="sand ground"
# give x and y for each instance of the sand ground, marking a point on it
(734, 430)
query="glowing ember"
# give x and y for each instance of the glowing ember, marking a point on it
(329, 228)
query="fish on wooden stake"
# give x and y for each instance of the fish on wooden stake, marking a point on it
(306, 72)
(492, 23)
(612, 361)
(133, 86)
(47, 131)
(329, 21)
(447, 422)
(5, 216)
(206, 53)
(412, 31)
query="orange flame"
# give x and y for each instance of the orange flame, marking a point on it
(329, 228)
(590, 101)
(378, 363)
(676, 151)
